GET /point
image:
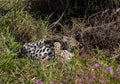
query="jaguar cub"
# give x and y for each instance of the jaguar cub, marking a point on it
(66, 55)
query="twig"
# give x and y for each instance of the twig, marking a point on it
(56, 22)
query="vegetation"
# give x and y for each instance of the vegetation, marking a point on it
(18, 26)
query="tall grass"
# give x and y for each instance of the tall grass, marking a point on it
(18, 27)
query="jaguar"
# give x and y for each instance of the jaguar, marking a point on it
(40, 49)
(47, 49)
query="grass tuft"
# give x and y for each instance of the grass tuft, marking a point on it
(17, 26)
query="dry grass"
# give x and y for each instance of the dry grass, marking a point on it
(17, 26)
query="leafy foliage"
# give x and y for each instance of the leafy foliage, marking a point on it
(17, 26)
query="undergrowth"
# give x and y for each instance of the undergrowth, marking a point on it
(18, 27)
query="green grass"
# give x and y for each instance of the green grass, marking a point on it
(17, 27)
(26, 71)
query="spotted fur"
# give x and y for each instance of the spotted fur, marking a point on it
(40, 49)
(46, 49)
(65, 54)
